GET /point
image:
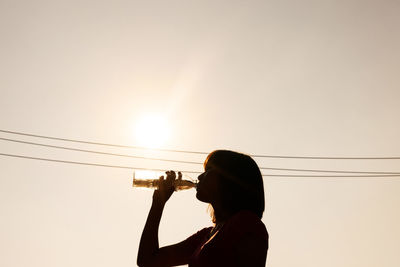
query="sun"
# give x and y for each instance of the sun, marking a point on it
(152, 130)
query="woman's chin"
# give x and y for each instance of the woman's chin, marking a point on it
(200, 197)
(197, 195)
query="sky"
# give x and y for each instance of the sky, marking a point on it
(297, 78)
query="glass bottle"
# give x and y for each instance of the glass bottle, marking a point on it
(149, 179)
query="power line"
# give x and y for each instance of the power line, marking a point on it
(200, 152)
(194, 162)
(102, 144)
(134, 168)
(87, 163)
(331, 176)
(329, 171)
(97, 152)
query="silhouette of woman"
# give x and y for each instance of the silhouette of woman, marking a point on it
(232, 184)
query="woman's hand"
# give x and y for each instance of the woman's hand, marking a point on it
(165, 187)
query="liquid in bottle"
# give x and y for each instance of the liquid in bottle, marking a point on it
(149, 179)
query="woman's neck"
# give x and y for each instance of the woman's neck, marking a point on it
(221, 215)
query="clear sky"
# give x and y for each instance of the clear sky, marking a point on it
(306, 78)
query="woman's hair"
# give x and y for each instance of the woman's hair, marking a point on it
(240, 184)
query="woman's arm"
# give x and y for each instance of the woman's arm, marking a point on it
(149, 253)
(149, 245)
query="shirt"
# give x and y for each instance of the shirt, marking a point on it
(241, 241)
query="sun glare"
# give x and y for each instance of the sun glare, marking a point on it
(152, 131)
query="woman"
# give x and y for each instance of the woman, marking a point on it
(232, 184)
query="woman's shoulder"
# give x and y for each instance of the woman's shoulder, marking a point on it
(245, 222)
(199, 235)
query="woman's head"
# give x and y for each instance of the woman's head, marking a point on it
(235, 180)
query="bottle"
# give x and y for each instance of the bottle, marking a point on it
(149, 179)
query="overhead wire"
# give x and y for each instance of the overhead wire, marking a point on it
(86, 163)
(194, 162)
(102, 144)
(202, 152)
(96, 152)
(193, 172)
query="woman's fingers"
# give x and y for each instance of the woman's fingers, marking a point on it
(165, 187)
(170, 176)
(169, 181)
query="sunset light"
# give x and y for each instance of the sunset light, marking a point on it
(99, 99)
(151, 131)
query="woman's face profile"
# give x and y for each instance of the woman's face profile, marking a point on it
(207, 188)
